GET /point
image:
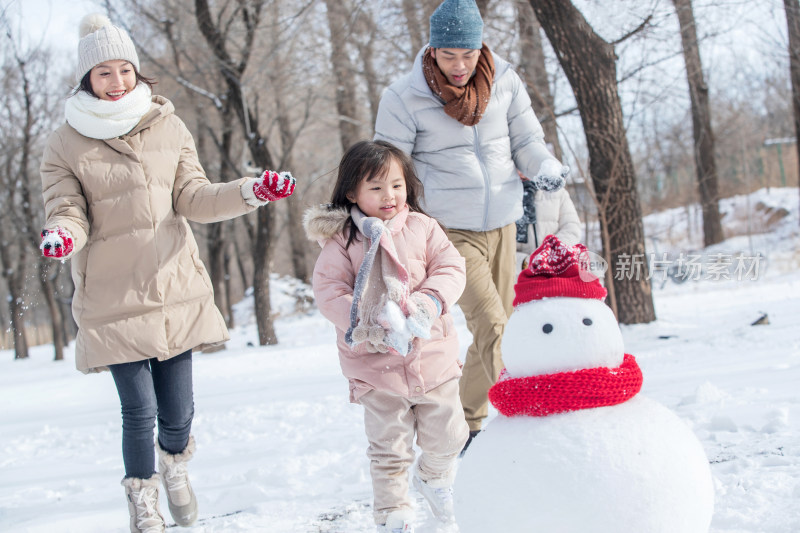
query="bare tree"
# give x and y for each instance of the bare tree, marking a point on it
(288, 131)
(217, 35)
(701, 125)
(179, 64)
(415, 32)
(534, 73)
(343, 72)
(483, 7)
(366, 35)
(589, 63)
(792, 8)
(26, 110)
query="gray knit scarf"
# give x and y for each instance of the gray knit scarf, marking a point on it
(381, 277)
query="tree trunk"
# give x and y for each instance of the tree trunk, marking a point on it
(533, 71)
(366, 51)
(53, 307)
(215, 236)
(483, 6)
(232, 71)
(343, 73)
(226, 262)
(415, 32)
(294, 204)
(792, 8)
(589, 63)
(16, 308)
(428, 7)
(12, 257)
(701, 125)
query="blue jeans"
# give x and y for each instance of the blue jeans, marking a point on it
(150, 390)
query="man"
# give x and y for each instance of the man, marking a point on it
(464, 116)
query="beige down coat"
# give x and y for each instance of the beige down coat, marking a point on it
(141, 290)
(435, 267)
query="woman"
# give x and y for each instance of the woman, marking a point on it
(120, 180)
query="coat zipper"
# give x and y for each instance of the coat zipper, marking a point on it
(486, 184)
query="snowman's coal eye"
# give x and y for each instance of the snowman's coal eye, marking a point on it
(587, 321)
(547, 328)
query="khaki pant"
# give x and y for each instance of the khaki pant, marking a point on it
(487, 303)
(390, 421)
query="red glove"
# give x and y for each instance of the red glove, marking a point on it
(273, 186)
(56, 243)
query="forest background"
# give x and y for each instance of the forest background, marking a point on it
(654, 104)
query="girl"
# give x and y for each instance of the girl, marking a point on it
(119, 180)
(547, 210)
(386, 277)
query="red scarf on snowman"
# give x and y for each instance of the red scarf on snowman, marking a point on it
(556, 270)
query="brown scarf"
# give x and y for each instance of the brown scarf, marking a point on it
(465, 104)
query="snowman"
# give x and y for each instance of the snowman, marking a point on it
(575, 449)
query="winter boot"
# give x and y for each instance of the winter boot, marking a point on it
(180, 496)
(398, 522)
(439, 498)
(142, 497)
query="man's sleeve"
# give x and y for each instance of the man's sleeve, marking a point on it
(526, 134)
(394, 123)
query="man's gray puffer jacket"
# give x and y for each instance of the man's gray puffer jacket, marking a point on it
(469, 173)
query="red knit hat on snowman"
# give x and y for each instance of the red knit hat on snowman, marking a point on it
(557, 270)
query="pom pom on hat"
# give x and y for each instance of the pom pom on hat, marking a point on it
(91, 23)
(102, 41)
(557, 270)
(457, 24)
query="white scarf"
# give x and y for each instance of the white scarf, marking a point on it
(105, 119)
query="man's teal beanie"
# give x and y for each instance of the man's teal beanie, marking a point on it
(457, 24)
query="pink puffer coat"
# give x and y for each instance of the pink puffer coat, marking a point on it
(435, 267)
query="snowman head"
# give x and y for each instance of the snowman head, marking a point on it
(561, 334)
(560, 322)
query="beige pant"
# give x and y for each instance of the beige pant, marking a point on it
(390, 421)
(487, 304)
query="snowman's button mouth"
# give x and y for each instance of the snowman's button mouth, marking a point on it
(547, 328)
(587, 321)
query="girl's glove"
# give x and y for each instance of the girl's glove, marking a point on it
(372, 335)
(273, 186)
(56, 243)
(423, 310)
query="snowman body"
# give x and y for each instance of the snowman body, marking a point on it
(634, 467)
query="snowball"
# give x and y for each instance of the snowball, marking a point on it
(550, 167)
(51, 240)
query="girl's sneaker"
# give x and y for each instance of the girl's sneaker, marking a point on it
(398, 522)
(439, 498)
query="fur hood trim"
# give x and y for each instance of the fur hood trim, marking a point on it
(324, 221)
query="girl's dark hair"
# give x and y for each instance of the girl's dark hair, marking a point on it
(367, 160)
(86, 84)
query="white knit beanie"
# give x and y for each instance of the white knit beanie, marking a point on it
(102, 41)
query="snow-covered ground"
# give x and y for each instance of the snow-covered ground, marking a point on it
(280, 449)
